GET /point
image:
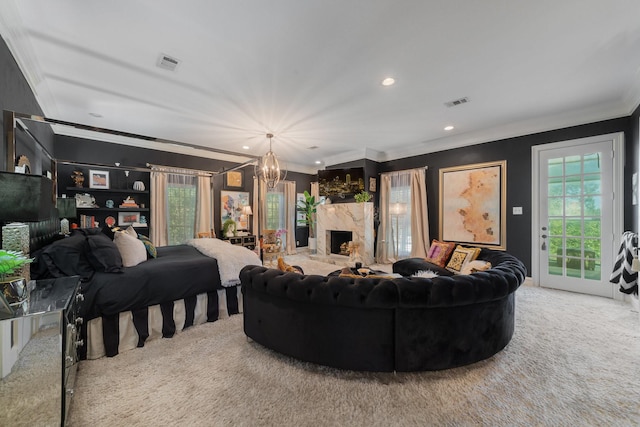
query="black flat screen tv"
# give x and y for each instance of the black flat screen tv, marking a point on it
(341, 185)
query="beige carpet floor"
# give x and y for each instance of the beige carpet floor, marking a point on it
(574, 361)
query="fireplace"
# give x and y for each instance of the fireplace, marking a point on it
(355, 218)
(340, 242)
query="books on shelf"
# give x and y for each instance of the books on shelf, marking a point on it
(87, 221)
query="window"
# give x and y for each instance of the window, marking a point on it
(401, 219)
(275, 208)
(181, 208)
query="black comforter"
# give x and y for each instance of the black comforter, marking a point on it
(178, 272)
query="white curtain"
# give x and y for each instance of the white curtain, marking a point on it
(404, 222)
(204, 206)
(262, 217)
(420, 241)
(290, 216)
(256, 208)
(384, 229)
(158, 233)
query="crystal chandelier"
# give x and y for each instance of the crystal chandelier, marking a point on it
(268, 168)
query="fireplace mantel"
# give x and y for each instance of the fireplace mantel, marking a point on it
(354, 217)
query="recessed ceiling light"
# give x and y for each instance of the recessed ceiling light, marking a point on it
(449, 127)
(318, 162)
(95, 115)
(388, 81)
(245, 147)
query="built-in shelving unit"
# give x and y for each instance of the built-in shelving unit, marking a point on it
(120, 187)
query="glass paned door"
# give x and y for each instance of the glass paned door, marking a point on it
(576, 218)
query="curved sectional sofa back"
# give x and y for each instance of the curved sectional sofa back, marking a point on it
(506, 275)
(402, 324)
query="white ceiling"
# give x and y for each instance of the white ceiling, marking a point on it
(310, 71)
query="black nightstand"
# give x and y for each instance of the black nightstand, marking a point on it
(248, 242)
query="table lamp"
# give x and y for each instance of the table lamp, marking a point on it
(66, 209)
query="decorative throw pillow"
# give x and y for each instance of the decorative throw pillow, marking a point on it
(439, 252)
(131, 249)
(474, 266)
(67, 257)
(151, 248)
(103, 254)
(425, 273)
(460, 257)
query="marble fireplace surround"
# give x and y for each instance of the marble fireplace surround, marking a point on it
(354, 217)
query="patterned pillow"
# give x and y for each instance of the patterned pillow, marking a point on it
(439, 252)
(151, 248)
(461, 257)
(474, 266)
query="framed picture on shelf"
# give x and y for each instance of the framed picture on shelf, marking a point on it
(98, 179)
(473, 204)
(234, 179)
(128, 218)
(231, 204)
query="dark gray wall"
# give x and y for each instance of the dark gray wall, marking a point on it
(91, 151)
(517, 152)
(16, 95)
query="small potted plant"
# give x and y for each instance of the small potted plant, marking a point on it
(229, 228)
(12, 284)
(308, 206)
(362, 197)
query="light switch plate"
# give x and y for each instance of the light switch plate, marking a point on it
(517, 210)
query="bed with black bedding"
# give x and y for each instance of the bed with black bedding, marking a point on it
(124, 307)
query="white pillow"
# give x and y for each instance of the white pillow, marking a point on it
(425, 273)
(131, 231)
(131, 249)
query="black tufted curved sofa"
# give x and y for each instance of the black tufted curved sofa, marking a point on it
(403, 324)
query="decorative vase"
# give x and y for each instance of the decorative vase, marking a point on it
(312, 245)
(138, 186)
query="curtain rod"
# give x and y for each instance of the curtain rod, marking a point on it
(188, 171)
(43, 119)
(182, 171)
(404, 170)
(102, 165)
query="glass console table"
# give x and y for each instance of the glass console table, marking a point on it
(38, 357)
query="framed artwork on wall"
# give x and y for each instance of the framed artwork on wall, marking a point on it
(473, 204)
(231, 204)
(234, 179)
(98, 179)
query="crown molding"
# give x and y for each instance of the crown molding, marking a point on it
(526, 127)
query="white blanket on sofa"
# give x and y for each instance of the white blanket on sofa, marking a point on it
(231, 258)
